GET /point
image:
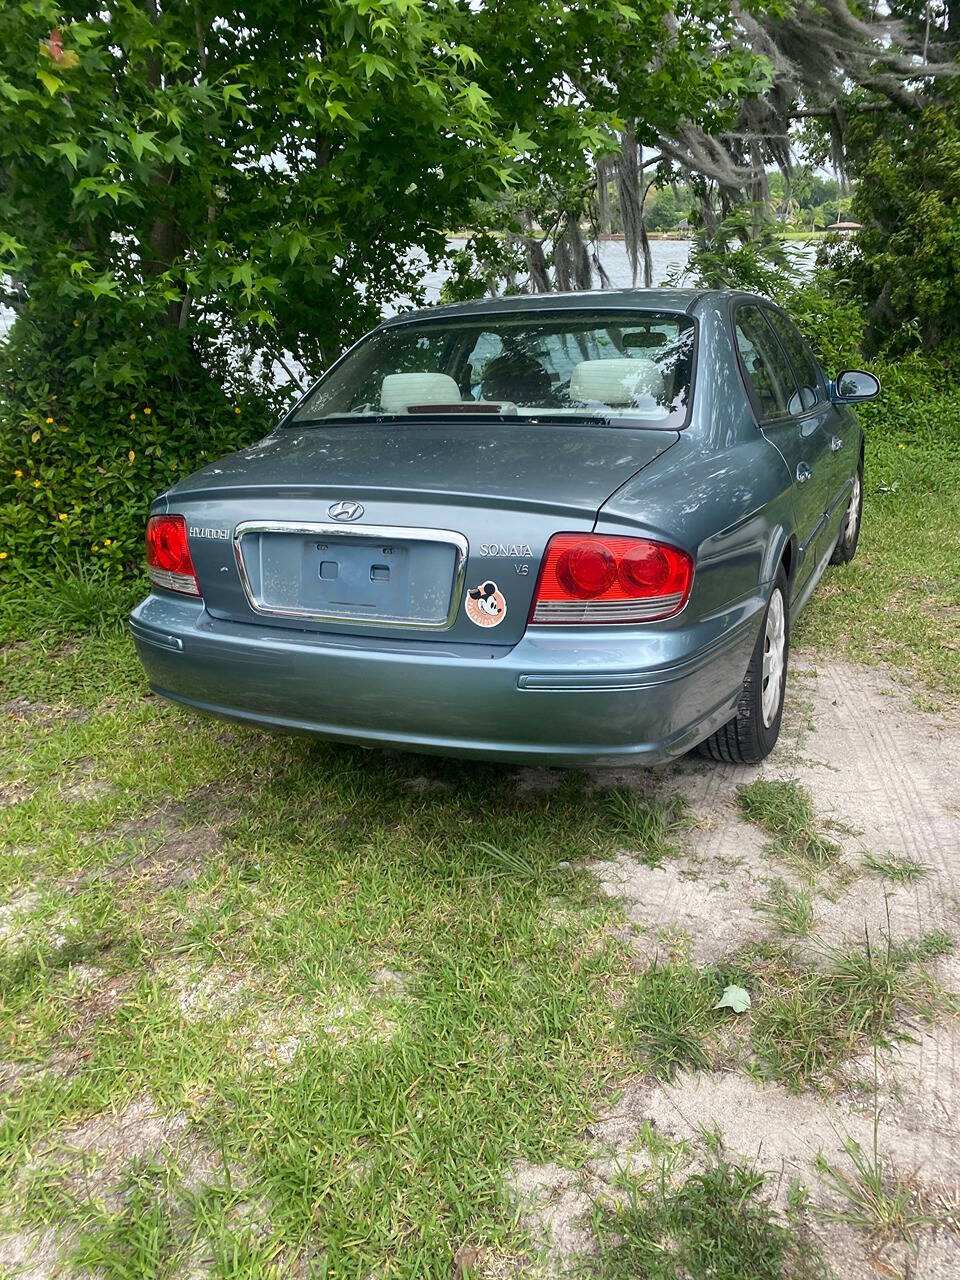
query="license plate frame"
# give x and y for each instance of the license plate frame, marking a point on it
(374, 537)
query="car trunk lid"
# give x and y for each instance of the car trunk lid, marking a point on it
(443, 511)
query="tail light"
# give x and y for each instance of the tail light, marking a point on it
(592, 578)
(169, 563)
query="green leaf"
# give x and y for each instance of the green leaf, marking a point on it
(53, 84)
(735, 998)
(70, 150)
(141, 142)
(232, 92)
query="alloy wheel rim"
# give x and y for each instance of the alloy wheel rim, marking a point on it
(853, 511)
(774, 646)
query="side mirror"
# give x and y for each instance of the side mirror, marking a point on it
(853, 385)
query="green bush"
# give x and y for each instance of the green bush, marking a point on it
(904, 264)
(93, 426)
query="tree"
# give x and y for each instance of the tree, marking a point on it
(266, 168)
(191, 189)
(905, 263)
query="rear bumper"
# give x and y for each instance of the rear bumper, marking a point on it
(560, 696)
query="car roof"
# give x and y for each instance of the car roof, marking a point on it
(587, 300)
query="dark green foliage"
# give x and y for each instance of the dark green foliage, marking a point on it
(743, 250)
(667, 1016)
(904, 265)
(95, 420)
(718, 1224)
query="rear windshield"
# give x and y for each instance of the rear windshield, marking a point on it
(624, 369)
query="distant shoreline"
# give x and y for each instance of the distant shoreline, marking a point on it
(676, 237)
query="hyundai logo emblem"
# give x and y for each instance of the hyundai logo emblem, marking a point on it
(345, 510)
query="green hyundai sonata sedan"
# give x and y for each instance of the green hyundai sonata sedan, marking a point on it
(554, 528)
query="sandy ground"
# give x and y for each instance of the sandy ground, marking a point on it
(888, 776)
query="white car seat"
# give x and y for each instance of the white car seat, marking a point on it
(620, 382)
(401, 390)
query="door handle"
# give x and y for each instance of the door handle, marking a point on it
(803, 473)
(836, 444)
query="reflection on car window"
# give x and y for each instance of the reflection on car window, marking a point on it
(804, 365)
(593, 366)
(766, 366)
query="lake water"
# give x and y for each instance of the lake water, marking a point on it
(668, 256)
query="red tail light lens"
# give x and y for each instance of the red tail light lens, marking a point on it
(593, 578)
(169, 563)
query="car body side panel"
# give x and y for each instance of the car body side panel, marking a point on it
(723, 492)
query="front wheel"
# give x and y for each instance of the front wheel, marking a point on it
(846, 547)
(752, 734)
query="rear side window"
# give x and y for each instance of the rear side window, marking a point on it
(767, 369)
(804, 365)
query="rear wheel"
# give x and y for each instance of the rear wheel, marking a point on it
(846, 547)
(752, 734)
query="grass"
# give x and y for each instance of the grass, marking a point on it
(649, 826)
(667, 1017)
(329, 1118)
(717, 1224)
(807, 1020)
(783, 808)
(789, 909)
(205, 916)
(870, 1197)
(897, 870)
(74, 598)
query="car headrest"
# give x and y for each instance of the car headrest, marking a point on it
(400, 390)
(618, 383)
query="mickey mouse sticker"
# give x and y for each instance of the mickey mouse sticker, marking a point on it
(485, 605)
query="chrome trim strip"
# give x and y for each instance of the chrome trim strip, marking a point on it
(372, 533)
(605, 611)
(159, 639)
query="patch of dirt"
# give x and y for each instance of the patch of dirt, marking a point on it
(210, 993)
(873, 764)
(91, 1162)
(23, 709)
(93, 1156)
(761, 1122)
(390, 982)
(883, 777)
(556, 1208)
(36, 1255)
(709, 904)
(15, 913)
(99, 998)
(86, 789)
(168, 851)
(918, 1092)
(14, 792)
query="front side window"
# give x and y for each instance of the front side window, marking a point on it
(765, 364)
(804, 365)
(620, 369)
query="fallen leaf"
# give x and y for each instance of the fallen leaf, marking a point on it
(734, 998)
(464, 1260)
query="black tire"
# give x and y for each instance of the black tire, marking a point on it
(846, 547)
(747, 739)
